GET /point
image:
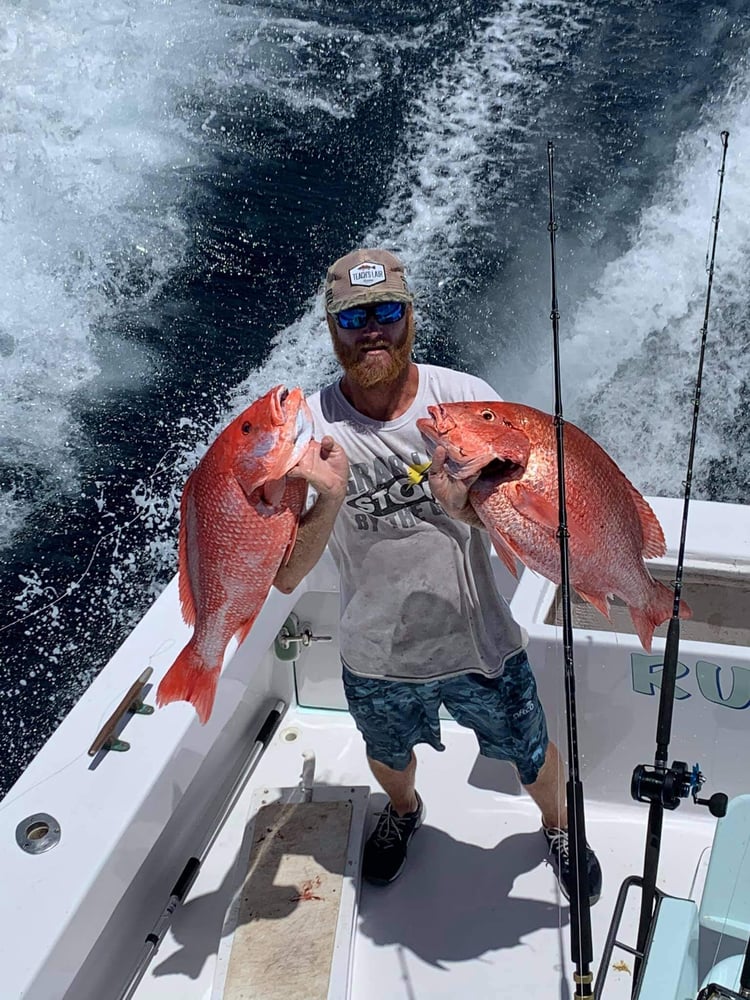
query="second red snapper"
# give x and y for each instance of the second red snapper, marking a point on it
(612, 529)
(238, 521)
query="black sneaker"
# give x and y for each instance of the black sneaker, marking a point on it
(385, 850)
(558, 846)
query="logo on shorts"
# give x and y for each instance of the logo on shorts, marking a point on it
(527, 709)
(367, 274)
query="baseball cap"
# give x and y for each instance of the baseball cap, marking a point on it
(365, 276)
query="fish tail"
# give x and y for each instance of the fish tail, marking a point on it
(657, 610)
(189, 679)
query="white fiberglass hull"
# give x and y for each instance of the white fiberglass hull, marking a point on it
(477, 911)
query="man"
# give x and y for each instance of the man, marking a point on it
(422, 623)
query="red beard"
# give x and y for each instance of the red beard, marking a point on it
(368, 374)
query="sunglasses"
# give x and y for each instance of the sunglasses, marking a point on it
(384, 313)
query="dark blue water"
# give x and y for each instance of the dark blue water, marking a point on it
(165, 233)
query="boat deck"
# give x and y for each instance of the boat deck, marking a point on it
(477, 911)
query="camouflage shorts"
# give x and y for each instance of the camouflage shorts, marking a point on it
(504, 713)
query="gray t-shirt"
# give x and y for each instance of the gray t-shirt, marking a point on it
(418, 597)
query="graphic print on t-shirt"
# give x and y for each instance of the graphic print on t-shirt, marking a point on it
(392, 490)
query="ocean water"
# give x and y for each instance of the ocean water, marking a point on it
(176, 176)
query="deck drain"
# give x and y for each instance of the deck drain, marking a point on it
(38, 833)
(290, 735)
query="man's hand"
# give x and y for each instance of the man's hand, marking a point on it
(326, 468)
(451, 494)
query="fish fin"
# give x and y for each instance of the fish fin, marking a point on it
(653, 536)
(187, 601)
(547, 515)
(534, 507)
(189, 679)
(657, 611)
(599, 601)
(297, 496)
(504, 551)
(273, 490)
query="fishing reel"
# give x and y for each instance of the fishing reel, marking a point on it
(671, 784)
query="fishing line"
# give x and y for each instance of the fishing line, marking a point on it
(580, 904)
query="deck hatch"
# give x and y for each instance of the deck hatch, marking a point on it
(720, 602)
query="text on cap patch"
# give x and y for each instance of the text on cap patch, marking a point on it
(367, 274)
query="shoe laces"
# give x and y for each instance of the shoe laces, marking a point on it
(391, 828)
(559, 843)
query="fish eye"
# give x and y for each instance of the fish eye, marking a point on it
(247, 427)
(488, 415)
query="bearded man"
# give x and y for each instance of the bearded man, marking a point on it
(422, 622)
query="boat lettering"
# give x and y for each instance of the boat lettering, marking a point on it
(728, 686)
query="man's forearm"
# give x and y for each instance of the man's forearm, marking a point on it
(314, 530)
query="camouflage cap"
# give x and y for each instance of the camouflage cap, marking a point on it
(363, 277)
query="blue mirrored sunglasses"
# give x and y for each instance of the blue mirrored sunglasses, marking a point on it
(384, 313)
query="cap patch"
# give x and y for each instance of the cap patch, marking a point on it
(367, 274)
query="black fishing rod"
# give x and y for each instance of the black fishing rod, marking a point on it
(580, 905)
(662, 786)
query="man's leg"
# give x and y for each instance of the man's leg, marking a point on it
(385, 851)
(509, 723)
(393, 716)
(548, 791)
(398, 785)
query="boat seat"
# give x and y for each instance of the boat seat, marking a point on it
(670, 971)
(671, 966)
(725, 904)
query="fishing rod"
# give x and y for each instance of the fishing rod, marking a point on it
(580, 906)
(662, 786)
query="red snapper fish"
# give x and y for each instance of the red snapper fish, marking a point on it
(513, 450)
(238, 522)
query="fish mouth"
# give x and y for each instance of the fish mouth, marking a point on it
(499, 471)
(303, 429)
(303, 424)
(458, 464)
(291, 414)
(278, 397)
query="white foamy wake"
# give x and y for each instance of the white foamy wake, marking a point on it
(92, 157)
(435, 200)
(108, 109)
(115, 170)
(630, 361)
